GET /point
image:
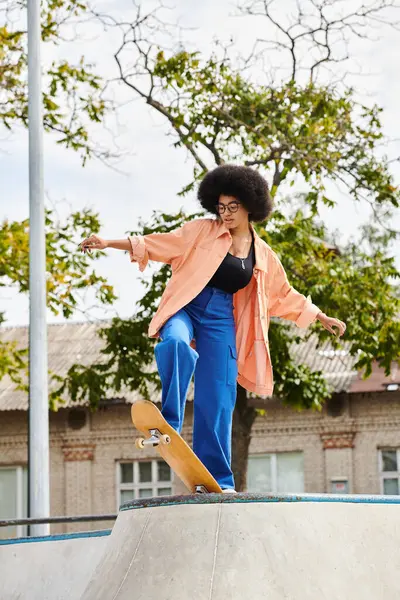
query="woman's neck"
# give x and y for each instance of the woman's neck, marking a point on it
(242, 230)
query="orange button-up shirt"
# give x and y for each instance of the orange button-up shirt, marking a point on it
(195, 252)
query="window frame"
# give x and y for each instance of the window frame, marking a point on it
(388, 474)
(273, 456)
(20, 530)
(135, 485)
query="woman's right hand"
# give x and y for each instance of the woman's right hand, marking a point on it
(93, 242)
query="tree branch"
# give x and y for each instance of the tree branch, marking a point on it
(302, 33)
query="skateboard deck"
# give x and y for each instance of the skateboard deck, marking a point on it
(175, 451)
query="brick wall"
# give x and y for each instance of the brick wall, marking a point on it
(84, 461)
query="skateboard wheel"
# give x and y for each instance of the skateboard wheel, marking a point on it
(139, 443)
(165, 439)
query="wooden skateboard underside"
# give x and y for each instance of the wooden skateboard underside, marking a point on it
(179, 456)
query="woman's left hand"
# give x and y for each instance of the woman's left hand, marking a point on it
(331, 323)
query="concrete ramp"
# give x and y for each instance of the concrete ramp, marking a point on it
(254, 547)
(50, 568)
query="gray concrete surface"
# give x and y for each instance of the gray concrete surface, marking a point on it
(218, 547)
(240, 550)
(58, 569)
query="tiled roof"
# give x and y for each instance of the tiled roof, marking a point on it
(377, 381)
(70, 343)
(336, 365)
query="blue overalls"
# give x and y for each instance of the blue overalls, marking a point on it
(208, 319)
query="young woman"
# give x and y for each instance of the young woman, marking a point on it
(213, 317)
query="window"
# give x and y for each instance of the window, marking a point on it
(339, 486)
(276, 473)
(390, 471)
(13, 499)
(143, 479)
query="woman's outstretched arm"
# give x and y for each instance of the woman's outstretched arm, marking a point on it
(94, 242)
(160, 247)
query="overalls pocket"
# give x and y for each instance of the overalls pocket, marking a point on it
(232, 369)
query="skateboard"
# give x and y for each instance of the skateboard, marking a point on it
(175, 451)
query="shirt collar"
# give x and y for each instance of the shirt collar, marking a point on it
(261, 252)
(222, 229)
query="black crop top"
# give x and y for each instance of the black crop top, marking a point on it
(234, 273)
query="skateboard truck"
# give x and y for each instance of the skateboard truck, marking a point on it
(201, 489)
(161, 436)
(156, 438)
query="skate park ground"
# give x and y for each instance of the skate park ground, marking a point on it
(213, 547)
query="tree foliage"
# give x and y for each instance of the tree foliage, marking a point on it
(72, 102)
(290, 130)
(72, 93)
(69, 272)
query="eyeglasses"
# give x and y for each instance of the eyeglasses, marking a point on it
(232, 207)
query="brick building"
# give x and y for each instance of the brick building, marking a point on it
(352, 446)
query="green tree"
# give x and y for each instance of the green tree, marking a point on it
(72, 93)
(293, 130)
(73, 101)
(68, 274)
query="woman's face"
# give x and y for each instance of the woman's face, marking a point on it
(234, 217)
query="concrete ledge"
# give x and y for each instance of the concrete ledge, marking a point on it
(57, 537)
(258, 546)
(203, 499)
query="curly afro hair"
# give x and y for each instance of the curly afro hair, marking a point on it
(244, 183)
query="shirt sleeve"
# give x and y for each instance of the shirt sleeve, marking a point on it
(288, 303)
(161, 247)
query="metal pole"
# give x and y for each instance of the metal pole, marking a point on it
(39, 494)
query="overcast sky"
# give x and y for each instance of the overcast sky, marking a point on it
(153, 171)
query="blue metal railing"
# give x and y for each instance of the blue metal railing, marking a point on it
(50, 520)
